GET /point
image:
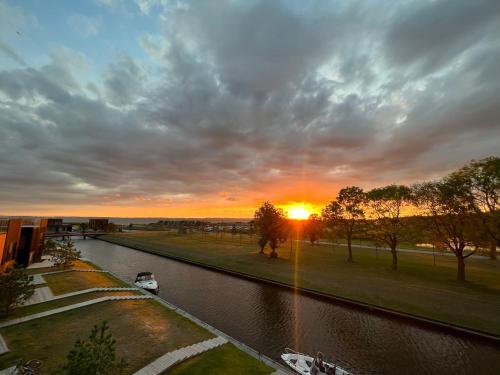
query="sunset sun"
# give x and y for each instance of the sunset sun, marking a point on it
(298, 212)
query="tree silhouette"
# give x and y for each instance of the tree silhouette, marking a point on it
(270, 223)
(386, 204)
(344, 212)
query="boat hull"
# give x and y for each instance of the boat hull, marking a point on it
(302, 364)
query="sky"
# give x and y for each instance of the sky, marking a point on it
(171, 108)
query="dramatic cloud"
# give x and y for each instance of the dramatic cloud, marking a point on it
(239, 101)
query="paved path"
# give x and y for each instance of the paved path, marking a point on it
(38, 280)
(46, 262)
(48, 296)
(8, 371)
(414, 251)
(172, 358)
(3, 346)
(73, 270)
(27, 318)
(42, 294)
(279, 372)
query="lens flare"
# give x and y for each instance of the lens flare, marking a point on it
(298, 212)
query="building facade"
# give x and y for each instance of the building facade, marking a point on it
(21, 241)
(99, 225)
(57, 226)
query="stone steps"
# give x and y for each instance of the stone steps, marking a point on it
(68, 308)
(172, 358)
(38, 280)
(3, 346)
(8, 371)
(50, 297)
(72, 270)
(42, 294)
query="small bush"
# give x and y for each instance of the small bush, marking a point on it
(96, 356)
(15, 288)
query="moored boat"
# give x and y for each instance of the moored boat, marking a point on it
(146, 280)
(306, 365)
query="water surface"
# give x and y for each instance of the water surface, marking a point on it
(270, 318)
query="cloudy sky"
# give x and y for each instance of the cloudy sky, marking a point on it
(207, 108)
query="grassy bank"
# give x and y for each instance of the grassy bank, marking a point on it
(143, 329)
(224, 360)
(419, 287)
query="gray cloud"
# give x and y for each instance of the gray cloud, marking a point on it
(123, 81)
(11, 53)
(257, 99)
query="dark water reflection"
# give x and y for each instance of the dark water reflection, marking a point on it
(269, 318)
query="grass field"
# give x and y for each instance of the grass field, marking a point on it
(418, 287)
(67, 282)
(224, 360)
(144, 329)
(49, 305)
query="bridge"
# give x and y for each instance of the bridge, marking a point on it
(65, 235)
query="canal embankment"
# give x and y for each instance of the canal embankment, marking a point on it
(145, 327)
(432, 301)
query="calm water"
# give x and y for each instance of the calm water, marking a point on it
(269, 319)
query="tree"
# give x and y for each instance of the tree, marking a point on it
(313, 228)
(63, 255)
(386, 204)
(50, 246)
(111, 228)
(270, 223)
(15, 288)
(345, 211)
(483, 180)
(453, 220)
(84, 227)
(96, 356)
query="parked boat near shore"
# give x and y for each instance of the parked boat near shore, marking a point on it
(306, 365)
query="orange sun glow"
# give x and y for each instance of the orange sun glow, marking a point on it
(298, 212)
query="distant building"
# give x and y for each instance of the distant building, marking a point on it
(57, 226)
(21, 241)
(99, 224)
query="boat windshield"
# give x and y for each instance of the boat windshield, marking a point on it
(145, 277)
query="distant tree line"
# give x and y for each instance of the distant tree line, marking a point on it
(459, 212)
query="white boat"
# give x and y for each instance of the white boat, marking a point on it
(146, 280)
(306, 365)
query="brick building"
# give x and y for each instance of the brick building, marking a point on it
(99, 225)
(21, 241)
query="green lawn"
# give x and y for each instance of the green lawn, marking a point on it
(144, 330)
(418, 287)
(72, 281)
(80, 264)
(49, 305)
(224, 360)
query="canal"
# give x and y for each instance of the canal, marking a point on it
(270, 318)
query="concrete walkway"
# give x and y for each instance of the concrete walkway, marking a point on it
(72, 270)
(46, 262)
(48, 296)
(8, 371)
(68, 308)
(42, 294)
(3, 346)
(172, 358)
(38, 280)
